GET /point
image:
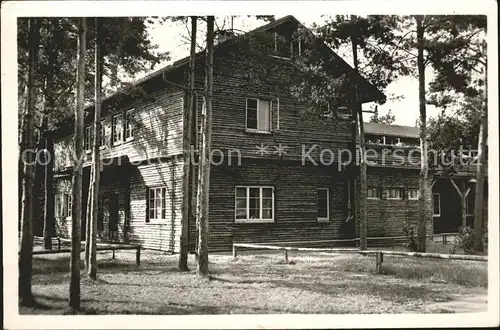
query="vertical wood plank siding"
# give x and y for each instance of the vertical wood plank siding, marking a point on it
(385, 217)
(156, 234)
(157, 131)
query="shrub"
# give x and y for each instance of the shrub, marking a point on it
(465, 239)
(408, 231)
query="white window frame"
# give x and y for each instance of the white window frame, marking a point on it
(248, 220)
(377, 190)
(322, 219)
(114, 130)
(88, 138)
(468, 212)
(388, 190)
(63, 204)
(128, 125)
(163, 204)
(439, 204)
(102, 137)
(258, 129)
(409, 194)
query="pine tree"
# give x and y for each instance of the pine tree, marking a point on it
(76, 212)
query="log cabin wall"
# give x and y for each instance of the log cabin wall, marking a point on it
(62, 185)
(295, 203)
(385, 216)
(159, 234)
(157, 131)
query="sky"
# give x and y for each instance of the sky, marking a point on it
(172, 37)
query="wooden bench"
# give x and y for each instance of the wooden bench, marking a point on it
(379, 254)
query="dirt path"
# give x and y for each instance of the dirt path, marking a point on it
(476, 303)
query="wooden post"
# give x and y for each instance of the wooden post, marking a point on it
(138, 256)
(113, 253)
(286, 255)
(59, 243)
(234, 251)
(379, 258)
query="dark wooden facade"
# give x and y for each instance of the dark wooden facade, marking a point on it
(272, 159)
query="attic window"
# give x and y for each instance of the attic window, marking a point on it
(287, 47)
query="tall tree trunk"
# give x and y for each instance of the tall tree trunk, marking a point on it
(204, 172)
(86, 259)
(480, 178)
(48, 213)
(362, 150)
(49, 220)
(76, 214)
(424, 166)
(96, 173)
(26, 250)
(184, 243)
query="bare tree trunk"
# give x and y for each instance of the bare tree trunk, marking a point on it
(26, 251)
(204, 172)
(480, 177)
(76, 214)
(184, 244)
(424, 166)
(362, 149)
(96, 173)
(87, 222)
(48, 214)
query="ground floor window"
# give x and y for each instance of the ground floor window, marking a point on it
(394, 193)
(254, 204)
(372, 193)
(157, 203)
(436, 202)
(323, 204)
(413, 194)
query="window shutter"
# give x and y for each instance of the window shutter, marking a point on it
(147, 204)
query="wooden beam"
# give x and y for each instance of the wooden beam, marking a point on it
(456, 188)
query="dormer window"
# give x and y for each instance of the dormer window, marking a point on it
(286, 47)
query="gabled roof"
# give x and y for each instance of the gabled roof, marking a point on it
(184, 61)
(374, 93)
(391, 130)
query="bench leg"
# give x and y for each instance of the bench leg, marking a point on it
(234, 252)
(113, 254)
(138, 257)
(379, 258)
(286, 256)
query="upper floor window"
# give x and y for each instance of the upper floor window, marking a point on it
(436, 204)
(102, 138)
(117, 127)
(88, 138)
(254, 203)
(258, 115)
(129, 125)
(157, 203)
(287, 47)
(413, 194)
(323, 204)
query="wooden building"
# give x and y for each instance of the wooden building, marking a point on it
(452, 189)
